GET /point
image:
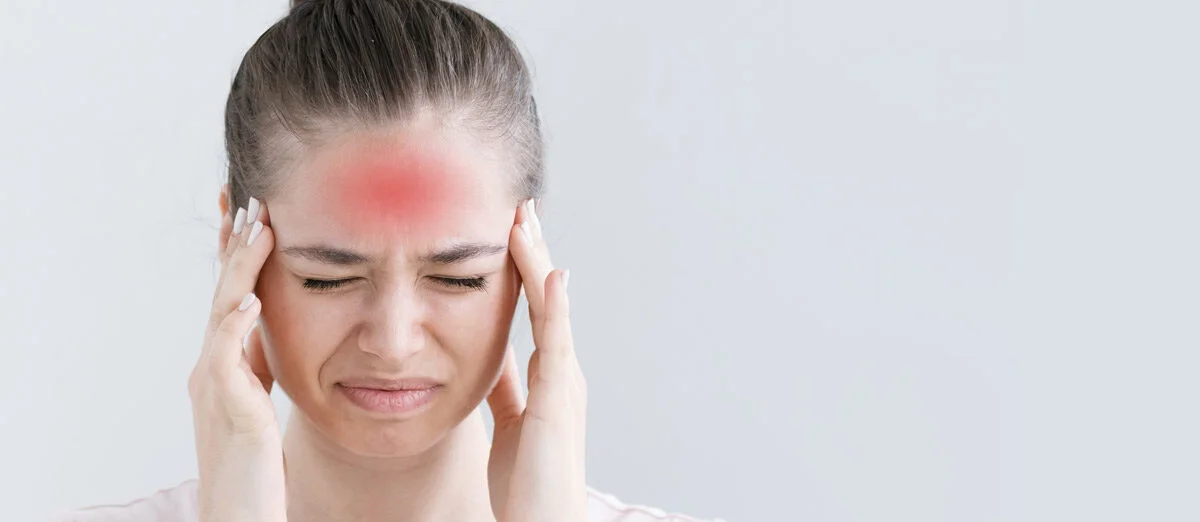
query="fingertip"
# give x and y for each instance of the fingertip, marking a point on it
(261, 234)
(518, 247)
(557, 279)
(255, 231)
(247, 302)
(557, 305)
(514, 235)
(235, 331)
(264, 214)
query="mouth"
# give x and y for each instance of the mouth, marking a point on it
(391, 398)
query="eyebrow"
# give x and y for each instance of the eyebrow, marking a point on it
(455, 253)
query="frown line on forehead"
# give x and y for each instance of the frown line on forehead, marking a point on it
(455, 253)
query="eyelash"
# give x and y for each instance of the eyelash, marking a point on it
(325, 285)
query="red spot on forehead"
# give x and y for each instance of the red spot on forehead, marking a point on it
(388, 185)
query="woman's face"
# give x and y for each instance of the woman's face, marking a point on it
(416, 223)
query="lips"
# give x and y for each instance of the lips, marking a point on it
(390, 396)
(409, 383)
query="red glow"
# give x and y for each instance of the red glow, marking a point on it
(386, 185)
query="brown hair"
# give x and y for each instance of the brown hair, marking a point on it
(334, 65)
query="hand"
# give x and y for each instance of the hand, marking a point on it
(536, 468)
(238, 441)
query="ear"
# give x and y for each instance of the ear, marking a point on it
(224, 203)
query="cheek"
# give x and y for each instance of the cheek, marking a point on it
(295, 323)
(476, 318)
(473, 331)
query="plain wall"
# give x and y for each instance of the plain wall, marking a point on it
(831, 261)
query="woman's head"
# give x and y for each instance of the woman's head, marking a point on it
(392, 141)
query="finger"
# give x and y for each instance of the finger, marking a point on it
(507, 401)
(223, 235)
(534, 368)
(257, 358)
(552, 391)
(237, 237)
(240, 274)
(264, 214)
(535, 221)
(256, 210)
(552, 337)
(532, 258)
(225, 346)
(244, 219)
(229, 243)
(252, 210)
(239, 227)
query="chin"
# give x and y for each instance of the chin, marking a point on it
(371, 434)
(390, 441)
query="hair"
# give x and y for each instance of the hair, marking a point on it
(331, 66)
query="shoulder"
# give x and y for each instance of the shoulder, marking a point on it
(604, 507)
(178, 504)
(174, 504)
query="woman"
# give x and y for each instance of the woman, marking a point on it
(385, 158)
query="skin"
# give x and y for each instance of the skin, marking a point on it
(393, 197)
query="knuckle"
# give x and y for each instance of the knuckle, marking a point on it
(223, 308)
(214, 321)
(229, 329)
(552, 314)
(540, 379)
(237, 261)
(192, 385)
(198, 380)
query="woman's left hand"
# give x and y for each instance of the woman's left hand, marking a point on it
(536, 468)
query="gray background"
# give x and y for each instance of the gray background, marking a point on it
(831, 261)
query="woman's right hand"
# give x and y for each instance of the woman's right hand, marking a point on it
(239, 446)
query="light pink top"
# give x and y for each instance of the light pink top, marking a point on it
(178, 504)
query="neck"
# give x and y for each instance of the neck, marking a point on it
(326, 483)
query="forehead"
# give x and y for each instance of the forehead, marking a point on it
(414, 182)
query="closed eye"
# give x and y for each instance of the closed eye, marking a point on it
(473, 283)
(324, 285)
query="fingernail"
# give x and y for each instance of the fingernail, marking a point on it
(246, 301)
(525, 232)
(239, 221)
(254, 232)
(252, 213)
(566, 278)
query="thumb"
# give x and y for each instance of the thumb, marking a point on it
(258, 359)
(507, 401)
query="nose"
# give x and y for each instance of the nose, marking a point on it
(393, 330)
